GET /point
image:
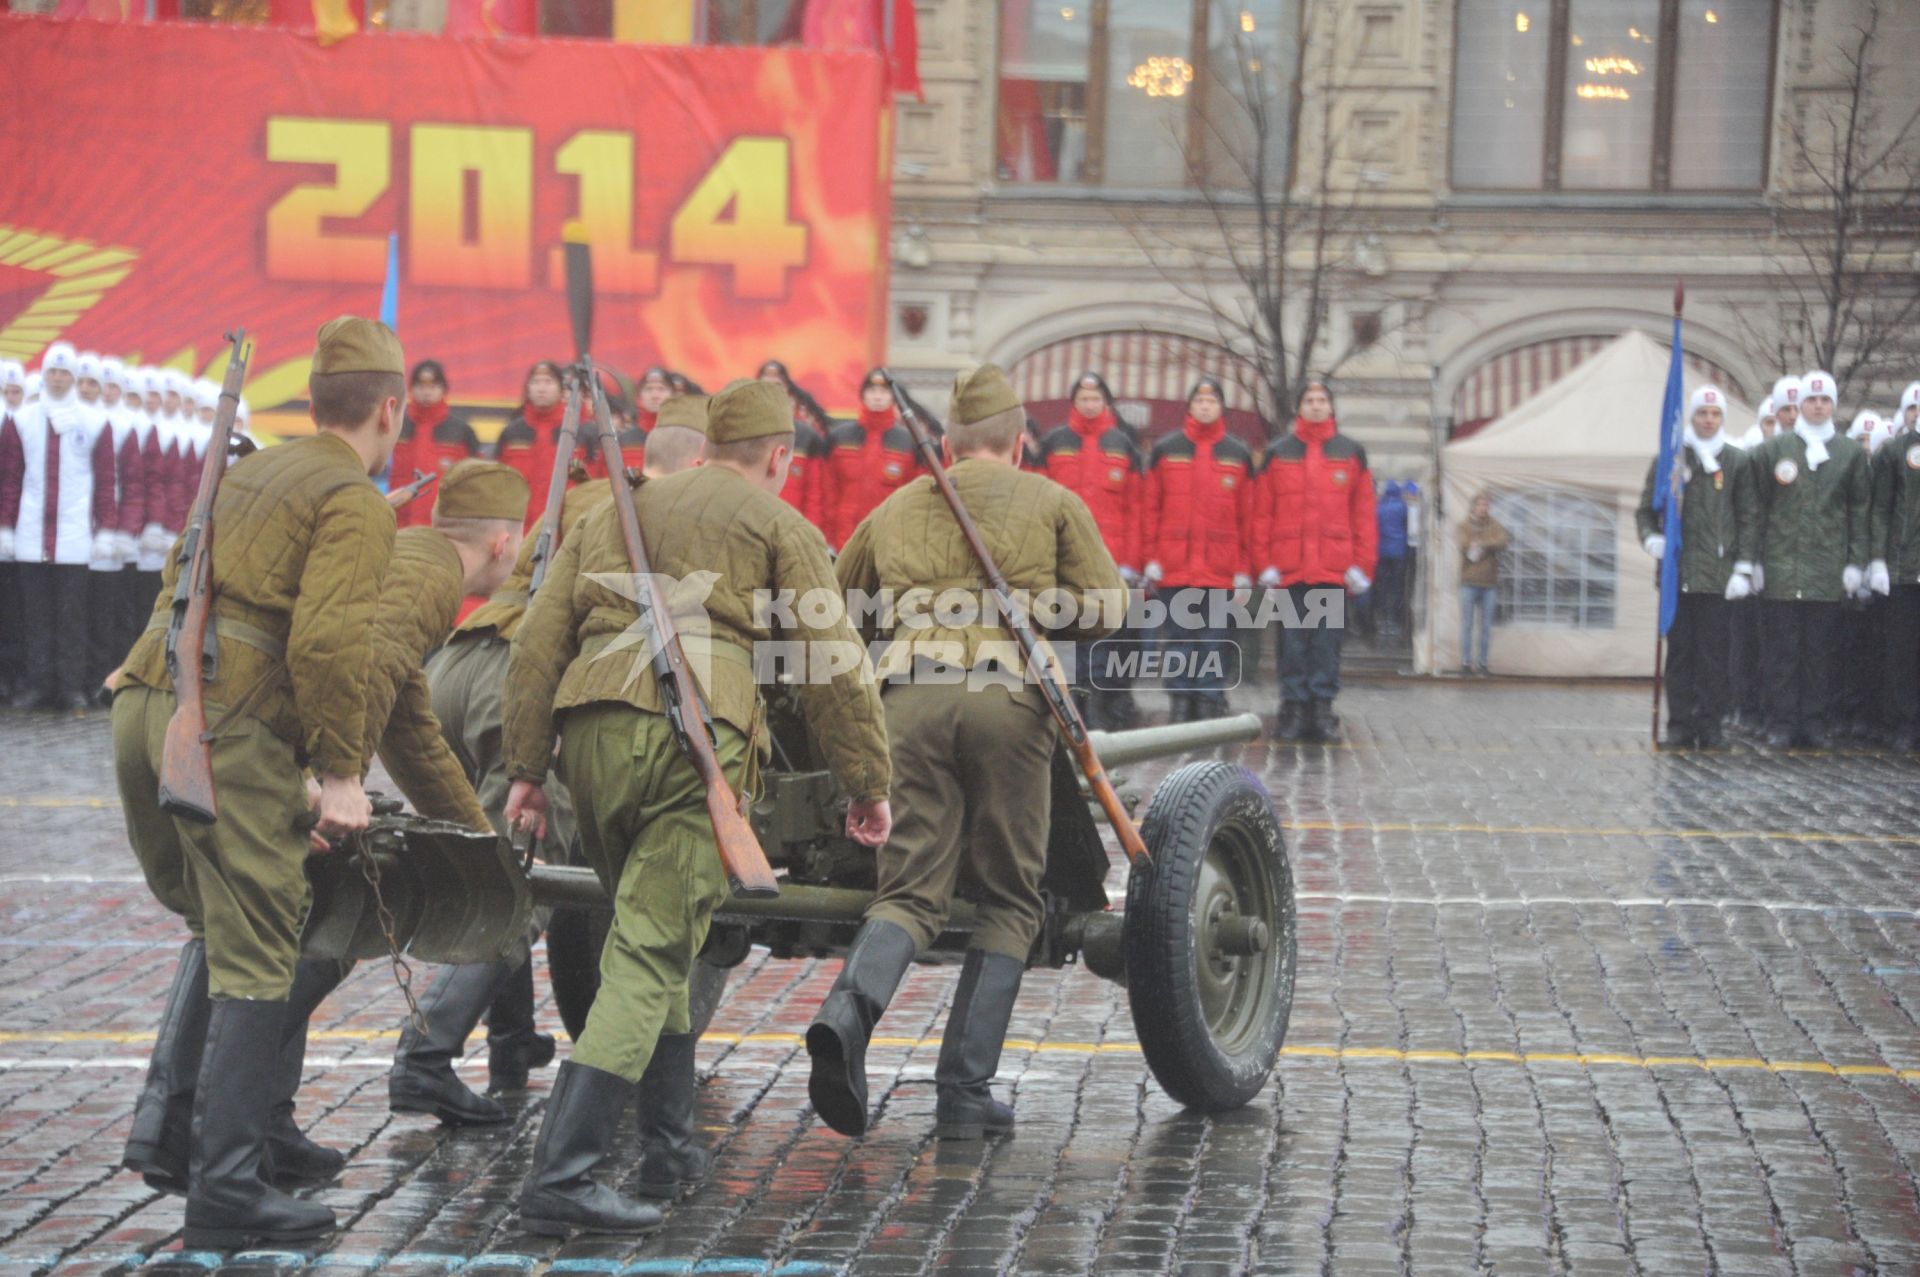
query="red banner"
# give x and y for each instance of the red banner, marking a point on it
(166, 183)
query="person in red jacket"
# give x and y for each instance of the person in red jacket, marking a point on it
(1315, 532)
(867, 460)
(1193, 533)
(528, 440)
(432, 439)
(1095, 457)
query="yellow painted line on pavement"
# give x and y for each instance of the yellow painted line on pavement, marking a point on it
(1583, 1059)
(1597, 831)
(59, 802)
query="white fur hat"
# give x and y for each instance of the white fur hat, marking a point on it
(1910, 396)
(62, 356)
(1766, 409)
(11, 373)
(88, 368)
(175, 382)
(1819, 384)
(114, 373)
(1706, 397)
(1786, 393)
(1863, 425)
(206, 393)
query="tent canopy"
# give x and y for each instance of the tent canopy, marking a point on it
(1566, 466)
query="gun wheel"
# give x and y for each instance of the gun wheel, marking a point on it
(1210, 937)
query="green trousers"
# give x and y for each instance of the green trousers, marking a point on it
(241, 882)
(644, 830)
(467, 679)
(972, 789)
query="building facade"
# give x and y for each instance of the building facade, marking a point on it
(1511, 183)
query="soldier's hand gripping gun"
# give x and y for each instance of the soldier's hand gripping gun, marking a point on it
(400, 498)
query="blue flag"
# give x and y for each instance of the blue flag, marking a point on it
(390, 316)
(1667, 474)
(390, 291)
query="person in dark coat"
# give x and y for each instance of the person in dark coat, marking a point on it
(1390, 576)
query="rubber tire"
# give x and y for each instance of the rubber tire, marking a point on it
(1191, 807)
(574, 940)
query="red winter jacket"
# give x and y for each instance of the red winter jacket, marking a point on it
(807, 476)
(633, 445)
(433, 441)
(1314, 515)
(1097, 462)
(866, 460)
(1199, 491)
(527, 443)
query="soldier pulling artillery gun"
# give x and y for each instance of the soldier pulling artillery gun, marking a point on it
(1205, 945)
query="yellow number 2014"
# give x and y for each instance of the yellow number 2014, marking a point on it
(736, 216)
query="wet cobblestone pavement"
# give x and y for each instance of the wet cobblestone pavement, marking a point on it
(1563, 1006)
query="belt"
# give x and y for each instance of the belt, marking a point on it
(239, 631)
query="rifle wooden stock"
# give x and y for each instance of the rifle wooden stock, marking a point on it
(186, 758)
(401, 497)
(548, 542)
(748, 873)
(1053, 683)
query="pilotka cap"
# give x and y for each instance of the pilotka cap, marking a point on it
(979, 393)
(352, 344)
(476, 489)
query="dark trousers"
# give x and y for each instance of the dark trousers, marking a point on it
(1746, 682)
(1310, 651)
(1902, 693)
(106, 624)
(53, 608)
(1390, 596)
(1697, 664)
(1196, 653)
(13, 633)
(1800, 652)
(1862, 643)
(1104, 676)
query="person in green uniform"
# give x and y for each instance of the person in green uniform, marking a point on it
(469, 548)
(1895, 570)
(972, 745)
(579, 657)
(301, 540)
(1713, 573)
(468, 677)
(430, 571)
(1805, 524)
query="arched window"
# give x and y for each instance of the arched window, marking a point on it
(1508, 380)
(1560, 570)
(1150, 374)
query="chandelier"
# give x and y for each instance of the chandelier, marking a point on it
(1162, 77)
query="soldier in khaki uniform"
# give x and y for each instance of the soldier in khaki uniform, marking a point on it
(301, 539)
(469, 548)
(468, 677)
(972, 743)
(643, 822)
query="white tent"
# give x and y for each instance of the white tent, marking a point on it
(1564, 469)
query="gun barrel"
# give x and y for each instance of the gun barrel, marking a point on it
(1119, 749)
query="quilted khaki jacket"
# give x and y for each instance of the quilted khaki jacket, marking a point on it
(911, 550)
(418, 602)
(301, 539)
(500, 615)
(718, 540)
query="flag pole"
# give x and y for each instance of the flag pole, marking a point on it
(1674, 490)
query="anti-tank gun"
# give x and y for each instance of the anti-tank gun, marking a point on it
(1204, 943)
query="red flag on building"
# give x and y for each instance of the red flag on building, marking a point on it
(862, 24)
(485, 19)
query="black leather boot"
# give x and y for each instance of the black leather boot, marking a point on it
(514, 1047)
(970, 1048)
(1324, 724)
(837, 1039)
(229, 1206)
(160, 1146)
(292, 1158)
(423, 1080)
(674, 1160)
(1293, 721)
(560, 1194)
